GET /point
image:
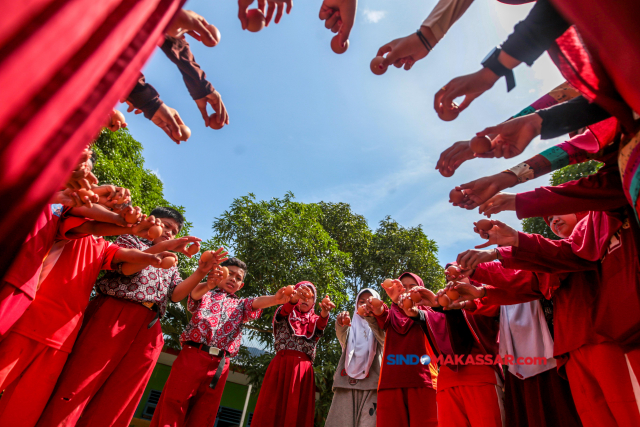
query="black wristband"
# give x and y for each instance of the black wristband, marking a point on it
(424, 40)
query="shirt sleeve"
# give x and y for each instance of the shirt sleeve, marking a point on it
(109, 253)
(179, 52)
(248, 312)
(341, 334)
(284, 311)
(176, 279)
(375, 327)
(145, 97)
(322, 322)
(128, 241)
(383, 319)
(570, 116)
(194, 305)
(532, 36)
(526, 284)
(444, 15)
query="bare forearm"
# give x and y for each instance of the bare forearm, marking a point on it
(199, 291)
(133, 256)
(264, 302)
(98, 213)
(98, 228)
(187, 286)
(129, 269)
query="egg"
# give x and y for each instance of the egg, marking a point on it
(225, 273)
(132, 217)
(453, 271)
(256, 20)
(117, 116)
(335, 45)
(206, 256)
(407, 303)
(82, 193)
(213, 122)
(387, 284)
(167, 262)
(185, 131)
(444, 300)
(452, 294)
(193, 249)
(121, 200)
(484, 225)
(361, 310)
(346, 321)
(416, 297)
(480, 144)
(154, 232)
(449, 115)
(456, 196)
(288, 291)
(215, 33)
(326, 300)
(375, 66)
(376, 303)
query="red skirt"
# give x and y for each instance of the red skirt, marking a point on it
(288, 394)
(64, 65)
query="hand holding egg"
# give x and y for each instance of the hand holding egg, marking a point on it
(326, 305)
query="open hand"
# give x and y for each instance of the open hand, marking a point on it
(344, 319)
(428, 298)
(498, 203)
(278, 7)
(482, 189)
(395, 290)
(471, 258)
(406, 51)
(219, 256)
(470, 86)
(513, 136)
(500, 234)
(454, 156)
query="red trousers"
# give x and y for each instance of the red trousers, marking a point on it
(470, 405)
(601, 386)
(187, 399)
(28, 373)
(109, 367)
(13, 303)
(633, 362)
(288, 393)
(407, 407)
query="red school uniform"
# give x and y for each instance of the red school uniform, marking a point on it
(34, 352)
(18, 287)
(288, 393)
(117, 348)
(188, 398)
(406, 392)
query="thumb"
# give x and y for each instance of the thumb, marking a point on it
(484, 245)
(348, 20)
(203, 111)
(491, 130)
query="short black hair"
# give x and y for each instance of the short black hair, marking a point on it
(237, 263)
(93, 158)
(165, 212)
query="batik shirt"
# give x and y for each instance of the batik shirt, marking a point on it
(285, 339)
(217, 320)
(152, 284)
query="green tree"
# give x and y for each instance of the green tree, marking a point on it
(284, 241)
(568, 173)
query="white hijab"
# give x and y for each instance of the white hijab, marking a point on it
(361, 344)
(524, 333)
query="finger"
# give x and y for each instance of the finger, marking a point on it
(289, 6)
(329, 23)
(437, 99)
(348, 18)
(271, 8)
(467, 101)
(384, 49)
(279, 14)
(262, 5)
(325, 12)
(203, 111)
(484, 245)
(242, 16)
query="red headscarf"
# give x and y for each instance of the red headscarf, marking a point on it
(579, 216)
(304, 324)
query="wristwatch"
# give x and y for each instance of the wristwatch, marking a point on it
(491, 62)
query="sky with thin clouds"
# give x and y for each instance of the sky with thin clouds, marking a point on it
(321, 125)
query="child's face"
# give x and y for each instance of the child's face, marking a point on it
(362, 300)
(234, 281)
(409, 282)
(305, 304)
(563, 225)
(169, 231)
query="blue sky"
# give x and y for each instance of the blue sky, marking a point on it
(321, 125)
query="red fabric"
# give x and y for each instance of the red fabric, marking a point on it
(187, 400)
(109, 368)
(529, 286)
(612, 36)
(54, 320)
(399, 321)
(413, 342)
(288, 393)
(543, 400)
(581, 67)
(601, 191)
(302, 324)
(56, 100)
(476, 406)
(26, 267)
(467, 374)
(28, 373)
(601, 386)
(13, 303)
(407, 407)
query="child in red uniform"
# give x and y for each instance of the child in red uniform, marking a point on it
(33, 354)
(288, 394)
(121, 338)
(406, 393)
(192, 393)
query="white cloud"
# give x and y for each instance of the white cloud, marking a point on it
(374, 16)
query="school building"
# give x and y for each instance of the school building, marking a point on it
(236, 406)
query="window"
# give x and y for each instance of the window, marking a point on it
(249, 418)
(228, 417)
(152, 402)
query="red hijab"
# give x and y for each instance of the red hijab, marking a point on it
(304, 324)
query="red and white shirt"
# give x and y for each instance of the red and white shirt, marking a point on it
(217, 320)
(152, 284)
(285, 339)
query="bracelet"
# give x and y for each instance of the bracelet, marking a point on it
(424, 40)
(523, 171)
(484, 288)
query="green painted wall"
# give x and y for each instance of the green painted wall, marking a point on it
(156, 382)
